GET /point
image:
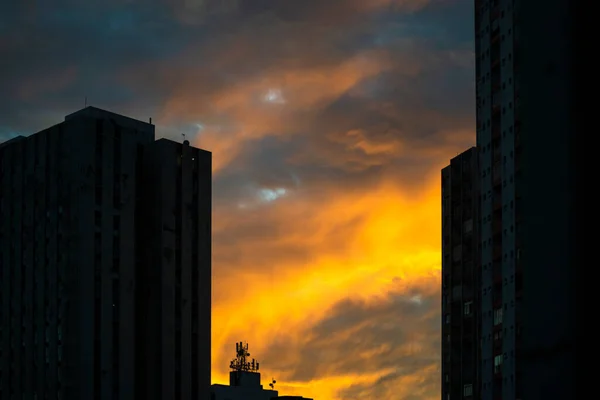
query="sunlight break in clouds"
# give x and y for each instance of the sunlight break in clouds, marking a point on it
(274, 96)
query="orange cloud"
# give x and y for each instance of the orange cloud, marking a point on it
(393, 248)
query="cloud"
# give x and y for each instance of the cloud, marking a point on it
(328, 121)
(332, 12)
(320, 278)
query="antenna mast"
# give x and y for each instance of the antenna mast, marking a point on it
(242, 361)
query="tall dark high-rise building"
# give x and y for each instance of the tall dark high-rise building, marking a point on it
(525, 127)
(460, 277)
(104, 263)
(175, 268)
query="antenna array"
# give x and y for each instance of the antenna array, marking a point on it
(242, 361)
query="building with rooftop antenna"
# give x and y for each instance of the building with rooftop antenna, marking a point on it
(244, 379)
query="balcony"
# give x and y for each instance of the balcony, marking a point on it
(495, 36)
(495, 110)
(497, 277)
(495, 62)
(497, 203)
(497, 229)
(496, 134)
(497, 303)
(497, 252)
(496, 180)
(495, 14)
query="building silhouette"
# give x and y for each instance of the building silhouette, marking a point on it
(526, 260)
(105, 264)
(244, 380)
(461, 276)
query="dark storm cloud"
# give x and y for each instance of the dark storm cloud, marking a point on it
(394, 122)
(54, 54)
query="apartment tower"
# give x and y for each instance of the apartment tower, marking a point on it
(460, 277)
(80, 210)
(524, 131)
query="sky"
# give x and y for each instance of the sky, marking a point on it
(329, 122)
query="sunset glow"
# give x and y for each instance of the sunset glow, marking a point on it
(329, 123)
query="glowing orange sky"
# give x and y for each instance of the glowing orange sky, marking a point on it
(393, 249)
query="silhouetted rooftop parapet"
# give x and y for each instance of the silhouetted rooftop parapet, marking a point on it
(12, 140)
(94, 112)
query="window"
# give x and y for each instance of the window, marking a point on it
(498, 316)
(447, 318)
(467, 307)
(498, 363)
(456, 254)
(98, 195)
(468, 226)
(468, 390)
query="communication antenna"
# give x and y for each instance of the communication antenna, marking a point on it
(272, 384)
(242, 361)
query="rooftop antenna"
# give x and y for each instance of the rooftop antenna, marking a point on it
(272, 384)
(242, 361)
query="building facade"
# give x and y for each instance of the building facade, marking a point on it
(498, 130)
(175, 271)
(524, 128)
(460, 277)
(71, 255)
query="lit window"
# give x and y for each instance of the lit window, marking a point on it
(497, 363)
(498, 316)
(467, 307)
(468, 390)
